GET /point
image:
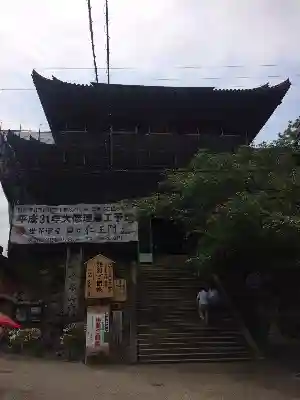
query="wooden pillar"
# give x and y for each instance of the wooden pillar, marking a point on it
(72, 281)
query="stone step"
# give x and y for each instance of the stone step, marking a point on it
(192, 339)
(168, 286)
(187, 293)
(180, 316)
(161, 288)
(167, 264)
(188, 290)
(162, 336)
(146, 326)
(163, 266)
(173, 310)
(159, 266)
(185, 330)
(170, 259)
(165, 271)
(216, 348)
(220, 320)
(194, 324)
(227, 359)
(171, 299)
(153, 320)
(166, 267)
(190, 293)
(172, 304)
(189, 324)
(159, 300)
(184, 317)
(152, 276)
(188, 337)
(153, 280)
(168, 274)
(195, 357)
(189, 341)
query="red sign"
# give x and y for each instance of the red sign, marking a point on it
(97, 332)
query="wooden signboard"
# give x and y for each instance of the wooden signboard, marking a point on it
(99, 278)
(120, 290)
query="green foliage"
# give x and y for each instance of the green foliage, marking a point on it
(290, 137)
(27, 340)
(73, 340)
(242, 203)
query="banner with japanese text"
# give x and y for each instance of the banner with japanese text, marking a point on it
(97, 329)
(82, 223)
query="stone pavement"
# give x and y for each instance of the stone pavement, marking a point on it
(22, 379)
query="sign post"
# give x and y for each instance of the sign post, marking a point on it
(99, 287)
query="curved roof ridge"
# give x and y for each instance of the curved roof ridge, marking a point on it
(282, 85)
(35, 75)
(287, 83)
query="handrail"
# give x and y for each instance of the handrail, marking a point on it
(237, 314)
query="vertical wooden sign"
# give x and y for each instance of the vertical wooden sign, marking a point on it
(89, 281)
(99, 278)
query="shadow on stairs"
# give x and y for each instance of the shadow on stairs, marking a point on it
(169, 329)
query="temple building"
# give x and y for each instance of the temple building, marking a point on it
(112, 143)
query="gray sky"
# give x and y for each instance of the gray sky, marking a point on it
(155, 39)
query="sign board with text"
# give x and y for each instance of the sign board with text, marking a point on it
(99, 278)
(97, 329)
(81, 223)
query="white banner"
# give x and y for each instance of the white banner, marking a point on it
(97, 330)
(80, 223)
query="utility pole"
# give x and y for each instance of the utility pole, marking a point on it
(107, 42)
(92, 38)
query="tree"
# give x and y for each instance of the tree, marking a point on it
(244, 209)
(290, 137)
(240, 203)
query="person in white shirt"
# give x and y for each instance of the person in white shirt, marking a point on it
(202, 303)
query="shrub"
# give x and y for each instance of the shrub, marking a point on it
(73, 340)
(28, 339)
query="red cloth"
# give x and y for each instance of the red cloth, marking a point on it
(7, 322)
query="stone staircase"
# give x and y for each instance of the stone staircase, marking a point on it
(168, 325)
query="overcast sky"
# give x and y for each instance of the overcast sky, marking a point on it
(154, 38)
